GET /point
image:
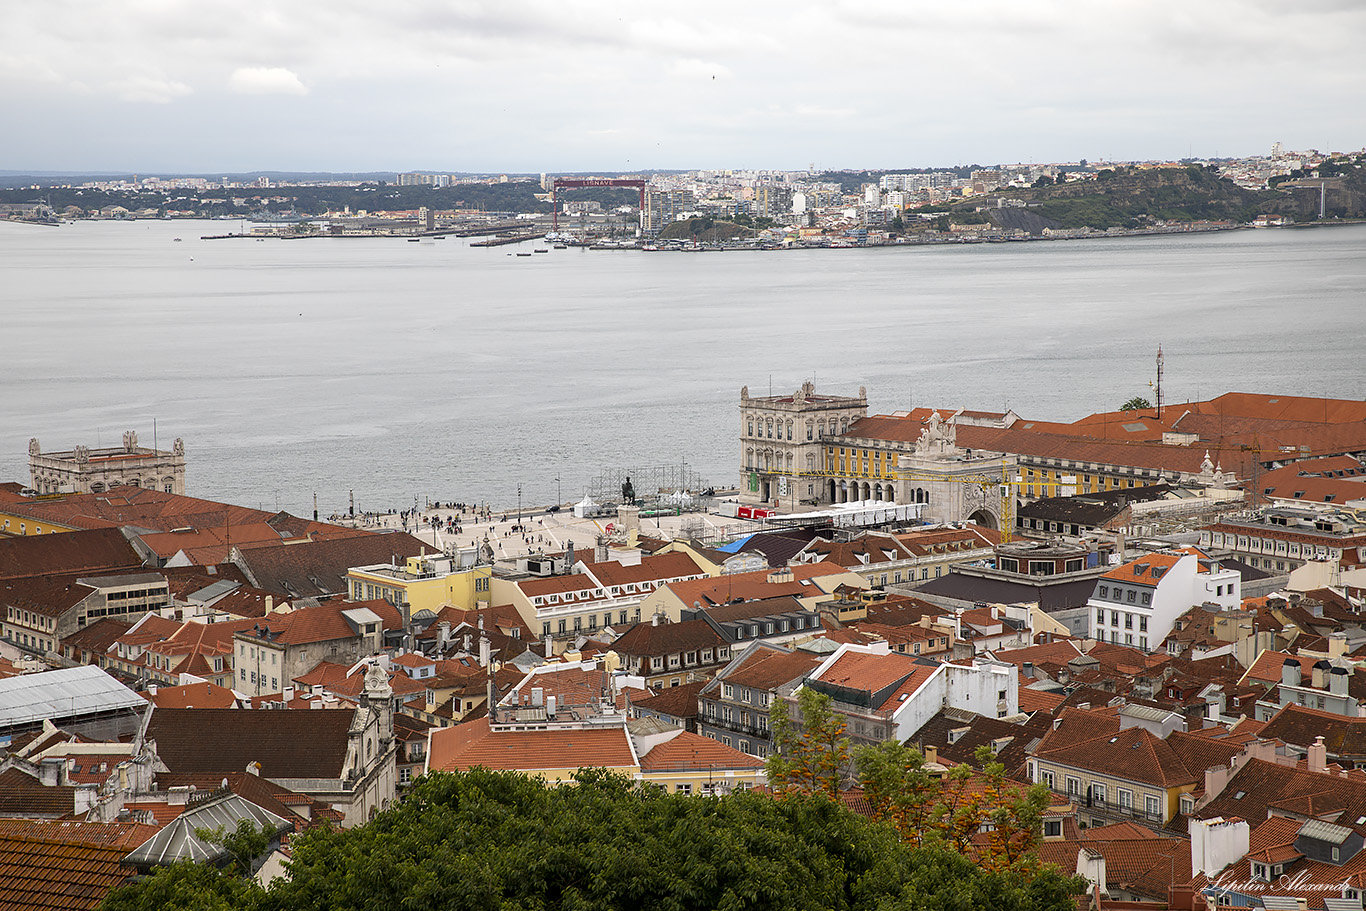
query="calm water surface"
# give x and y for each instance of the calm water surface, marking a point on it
(442, 370)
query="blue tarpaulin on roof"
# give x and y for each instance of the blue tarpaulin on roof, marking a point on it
(734, 546)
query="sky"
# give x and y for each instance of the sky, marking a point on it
(198, 86)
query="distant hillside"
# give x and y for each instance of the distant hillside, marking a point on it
(1134, 198)
(705, 230)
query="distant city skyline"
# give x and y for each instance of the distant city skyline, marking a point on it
(608, 86)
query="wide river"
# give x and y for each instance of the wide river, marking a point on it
(444, 371)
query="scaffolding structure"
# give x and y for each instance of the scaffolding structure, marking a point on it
(653, 486)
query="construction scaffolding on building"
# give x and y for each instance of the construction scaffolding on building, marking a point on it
(671, 488)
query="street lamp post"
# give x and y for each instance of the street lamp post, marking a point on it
(519, 506)
(559, 497)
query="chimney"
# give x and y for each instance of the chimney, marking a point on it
(50, 771)
(931, 754)
(1318, 755)
(288, 694)
(1091, 865)
(1028, 669)
(1337, 681)
(270, 603)
(1216, 843)
(1337, 645)
(1316, 675)
(1290, 672)
(443, 631)
(549, 647)
(152, 690)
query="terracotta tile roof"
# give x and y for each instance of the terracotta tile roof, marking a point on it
(769, 668)
(647, 639)
(956, 736)
(318, 568)
(1148, 865)
(124, 835)
(1056, 653)
(902, 610)
(288, 744)
(865, 549)
(779, 547)
(755, 585)
(37, 874)
(873, 673)
(192, 696)
(923, 543)
(652, 569)
(695, 753)
(1146, 570)
(1299, 726)
(323, 623)
(1134, 754)
(571, 684)
(1258, 787)
(474, 744)
(676, 701)
(49, 596)
(1293, 408)
(1267, 667)
(97, 637)
(101, 551)
(22, 794)
(141, 508)
(1039, 701)
(324, 673)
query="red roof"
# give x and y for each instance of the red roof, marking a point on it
(693, 753)
(871, 673)
(472, 744)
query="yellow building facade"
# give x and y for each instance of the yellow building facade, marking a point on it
(424, 583)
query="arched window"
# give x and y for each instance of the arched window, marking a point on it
(789, 430)
(789, 461)
(749, 458)
(810, 428)
(168, 485)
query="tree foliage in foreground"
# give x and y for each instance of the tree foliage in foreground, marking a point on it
(977, 812)
(1137, 403)
(483, 840)
(810, 758)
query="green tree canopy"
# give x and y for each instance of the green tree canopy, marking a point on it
(809, 759)
(1137, 403)
(506, 842)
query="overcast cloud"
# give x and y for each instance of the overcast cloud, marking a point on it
(469, 85)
